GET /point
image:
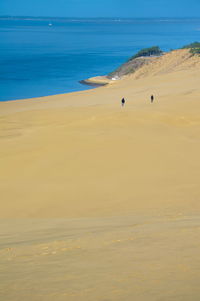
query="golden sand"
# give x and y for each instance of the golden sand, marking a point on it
(118, 188)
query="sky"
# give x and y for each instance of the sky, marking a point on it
(101, 8)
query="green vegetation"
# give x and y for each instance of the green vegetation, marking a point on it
(195, 50)
(155, 50)
(194, 47)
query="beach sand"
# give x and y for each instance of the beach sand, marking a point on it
(100, 202)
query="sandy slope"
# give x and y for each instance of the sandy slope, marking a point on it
(84, 157)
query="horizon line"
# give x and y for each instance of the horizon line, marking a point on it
(75, 17)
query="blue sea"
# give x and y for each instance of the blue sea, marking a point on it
(40, 57)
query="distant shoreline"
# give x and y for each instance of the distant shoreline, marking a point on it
(98, 18)
(97, 81)
(93, 84)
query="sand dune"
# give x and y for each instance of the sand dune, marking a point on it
(83, 158)
(121, 258)
(81, 154)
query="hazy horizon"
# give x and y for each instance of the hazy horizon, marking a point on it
(78, 17)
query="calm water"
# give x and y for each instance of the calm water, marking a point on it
(38, 59)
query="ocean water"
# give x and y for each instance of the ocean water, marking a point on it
(41, 57)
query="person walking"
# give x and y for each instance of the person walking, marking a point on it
(152, 98)
(123, 102)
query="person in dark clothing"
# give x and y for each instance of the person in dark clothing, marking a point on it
(152, 98)
(123, 102)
